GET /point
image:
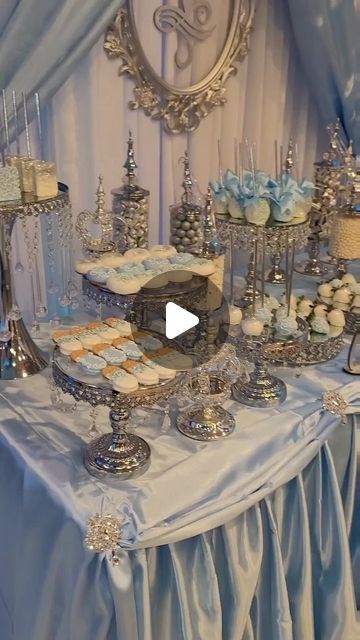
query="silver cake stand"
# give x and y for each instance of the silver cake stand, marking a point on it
(148, 300)
(239, 234)
(19, 355)
(118, 453)
(263, 389)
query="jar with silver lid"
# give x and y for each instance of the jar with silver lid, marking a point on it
(185, 218)
(130, 206)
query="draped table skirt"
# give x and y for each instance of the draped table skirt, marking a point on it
(253, 538)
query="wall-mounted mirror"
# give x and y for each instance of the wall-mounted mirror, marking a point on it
(180, 54)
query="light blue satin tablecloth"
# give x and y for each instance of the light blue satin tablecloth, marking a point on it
(256, 537)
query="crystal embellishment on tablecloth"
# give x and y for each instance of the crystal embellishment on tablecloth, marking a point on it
(103, 533)
(334, 402)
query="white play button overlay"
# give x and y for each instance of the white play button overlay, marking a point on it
(178, 320)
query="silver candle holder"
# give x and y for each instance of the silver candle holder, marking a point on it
(185, 218)
(276, 274)
(130, 207)
(327, 179)
(102, 219)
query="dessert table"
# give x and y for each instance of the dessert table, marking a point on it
(256, 536)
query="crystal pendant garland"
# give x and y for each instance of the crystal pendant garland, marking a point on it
(30, 228)
(70, 292)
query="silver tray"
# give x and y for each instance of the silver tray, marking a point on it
(95, 390)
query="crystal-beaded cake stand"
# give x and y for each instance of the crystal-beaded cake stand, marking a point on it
(239, 234)
(139, 305)
(19, 355)
(119, 454)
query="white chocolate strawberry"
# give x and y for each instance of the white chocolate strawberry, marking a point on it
(252, 326)
(336, 318)
(325, 290)
(342, 295)
(348, 278)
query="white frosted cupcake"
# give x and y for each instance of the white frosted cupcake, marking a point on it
(136, 255)
(201, 267)
(84, 266)
(100, 275)
(123, 284)
(163, 251)
(113, 260)
(154, 279)
(179, 273)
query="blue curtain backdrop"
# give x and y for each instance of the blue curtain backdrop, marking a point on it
(328, 36)
(41, 41)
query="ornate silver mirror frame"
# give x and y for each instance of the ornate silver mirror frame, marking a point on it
(180, 109)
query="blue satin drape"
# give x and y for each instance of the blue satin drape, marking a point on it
(41, 41)
(328, 36)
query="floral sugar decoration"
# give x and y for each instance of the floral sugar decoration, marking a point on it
(103, 533)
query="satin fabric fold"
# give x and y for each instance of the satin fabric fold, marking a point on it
(280, 570)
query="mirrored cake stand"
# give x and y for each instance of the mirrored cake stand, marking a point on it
(19, 355)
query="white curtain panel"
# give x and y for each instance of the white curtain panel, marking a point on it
(89, 119)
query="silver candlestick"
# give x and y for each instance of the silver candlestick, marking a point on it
(276, 274)
(327, 183)
(130, 207)
(119, 453)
